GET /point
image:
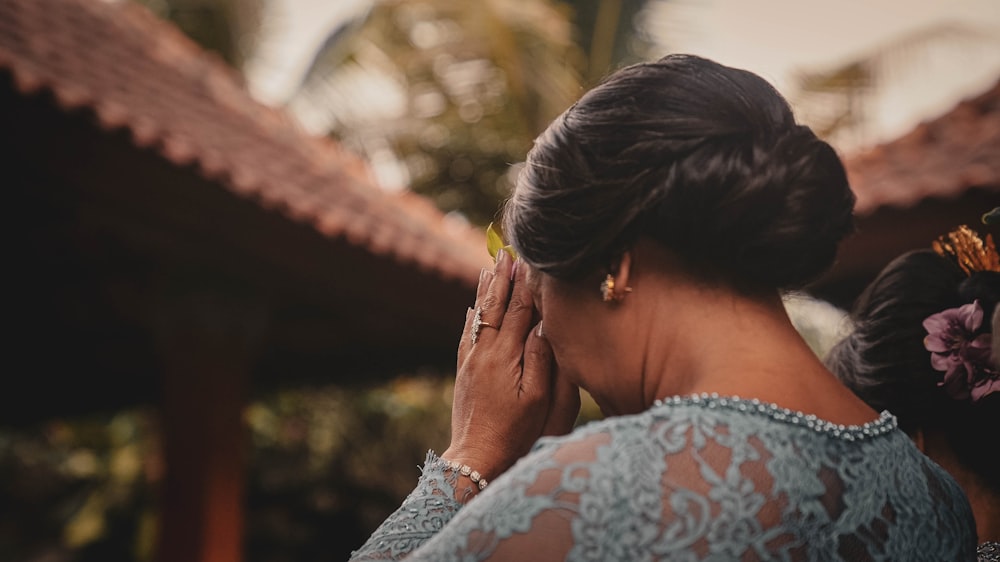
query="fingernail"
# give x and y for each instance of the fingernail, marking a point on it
(539, 331)
(501, 258)
(482, 274)
(513, 270)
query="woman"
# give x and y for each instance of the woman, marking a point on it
(921, 348)
(656, 221)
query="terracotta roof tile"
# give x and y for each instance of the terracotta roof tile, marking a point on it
(940, 158)
(135, 71)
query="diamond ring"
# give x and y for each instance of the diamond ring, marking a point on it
(478, 323)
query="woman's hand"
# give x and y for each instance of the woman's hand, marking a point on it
(507, 393)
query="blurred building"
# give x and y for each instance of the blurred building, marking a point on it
(169, 240)
(943, 173)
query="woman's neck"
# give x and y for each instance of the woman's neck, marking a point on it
(711, 339)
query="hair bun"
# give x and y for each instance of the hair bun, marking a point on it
(767, 216)
(705, 159)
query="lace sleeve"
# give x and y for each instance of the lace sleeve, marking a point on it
(533, 496)
(541, 509)
(424, 512)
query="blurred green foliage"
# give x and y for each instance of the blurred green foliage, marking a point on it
(327, 465)
(229, 28)
(442, 97)
(78, 489)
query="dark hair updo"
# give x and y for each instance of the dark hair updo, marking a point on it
(705, 159)
(884, 360)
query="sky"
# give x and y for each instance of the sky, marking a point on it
(293, 30)
(774, 38)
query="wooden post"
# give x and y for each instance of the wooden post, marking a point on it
(205, 339)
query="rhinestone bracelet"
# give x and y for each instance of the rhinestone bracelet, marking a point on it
(466, 470)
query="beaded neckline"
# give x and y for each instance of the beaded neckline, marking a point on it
(988, 552)
(885, 423)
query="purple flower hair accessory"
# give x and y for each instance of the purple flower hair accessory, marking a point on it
(960, 353)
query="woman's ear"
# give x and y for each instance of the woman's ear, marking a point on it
(624, 270)
(615, 285)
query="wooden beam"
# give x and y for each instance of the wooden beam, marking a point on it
(206, 339)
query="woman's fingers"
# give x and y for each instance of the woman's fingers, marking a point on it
(540, 378)
(494, 302)
(536, 378)
(465, 343)
(503, 391)
(520, 310)
(491, 301)
(485, 276)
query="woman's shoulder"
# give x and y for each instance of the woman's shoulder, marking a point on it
(742, 462)
(690, 438)
(685, 440)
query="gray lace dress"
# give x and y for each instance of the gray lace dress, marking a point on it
(696, 478)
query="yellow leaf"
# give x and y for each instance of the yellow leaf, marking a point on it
(493, 241)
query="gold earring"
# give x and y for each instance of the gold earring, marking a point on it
(608, 290)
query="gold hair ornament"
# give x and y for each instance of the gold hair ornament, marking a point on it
(968, 250)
